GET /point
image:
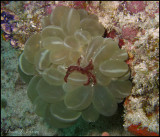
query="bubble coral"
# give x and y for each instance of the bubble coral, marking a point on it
(76, 72)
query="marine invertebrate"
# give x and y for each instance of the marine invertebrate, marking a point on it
(8, 25)
(70, 48)
(7, 17)
(84, 70)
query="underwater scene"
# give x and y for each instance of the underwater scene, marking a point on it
(80, 68)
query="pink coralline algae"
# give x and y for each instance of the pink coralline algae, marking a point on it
(75, 4)
(121, 43)
(79, 5)
(112, 34)
(129, 33)
(136, 6)
(105, 134)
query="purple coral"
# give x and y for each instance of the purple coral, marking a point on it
(6, 22)
(8, 25)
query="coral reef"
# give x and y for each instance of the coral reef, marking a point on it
(118, 17)
(94, 86)
(136, 27)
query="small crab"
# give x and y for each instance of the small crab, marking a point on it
(85, 71)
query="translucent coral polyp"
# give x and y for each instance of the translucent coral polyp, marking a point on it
(69, 52)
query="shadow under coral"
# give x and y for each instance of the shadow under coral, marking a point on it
(82, 127)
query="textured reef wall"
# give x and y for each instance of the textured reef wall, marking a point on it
(134, 24)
